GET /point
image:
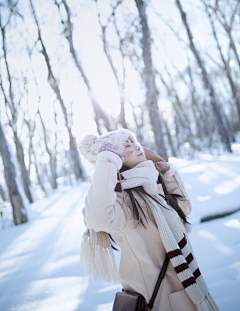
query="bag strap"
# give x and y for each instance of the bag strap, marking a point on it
(159, 281)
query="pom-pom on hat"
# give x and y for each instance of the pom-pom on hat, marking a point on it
(90, 145)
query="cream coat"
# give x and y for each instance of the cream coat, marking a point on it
(142, 251)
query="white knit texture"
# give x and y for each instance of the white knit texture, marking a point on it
(143, 174)
(90, 145)
(108, 156)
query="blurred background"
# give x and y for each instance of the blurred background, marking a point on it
(169, 71)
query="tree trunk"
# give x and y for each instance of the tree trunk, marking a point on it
(170, 142)
(12, 106)
(206, 80)
(177, 130)
(178, 107)
(3, 193)
(149, 79)
(38, 174)
(195, 108)
(25, 175)
(11, 173)
(52, 157)
(121, 85)
(228, 27)
(99, 111)
(226, 68)
(76, 162)
(139, 126)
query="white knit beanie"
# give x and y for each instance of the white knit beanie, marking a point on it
(90, 145)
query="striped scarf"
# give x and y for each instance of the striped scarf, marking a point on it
(172, 236)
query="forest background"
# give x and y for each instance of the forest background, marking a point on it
(167, 70)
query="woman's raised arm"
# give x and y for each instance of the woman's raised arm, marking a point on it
(102, 211)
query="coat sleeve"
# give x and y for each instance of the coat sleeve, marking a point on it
(102, 210)
(174, 185)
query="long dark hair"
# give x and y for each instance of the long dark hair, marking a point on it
(138, 213)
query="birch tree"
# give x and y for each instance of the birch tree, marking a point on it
(51, 153)
(120, 84)
(227, 25)
(100, 113)
(31, 152)
(149, 79)
(201, 112)
(226, 68)
(75, 158)
(221, 126)
(179, 108)
(31, 126)
(11, 106)
(12, 177)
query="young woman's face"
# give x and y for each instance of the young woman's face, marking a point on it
(137, 156)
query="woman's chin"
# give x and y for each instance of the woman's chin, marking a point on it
(141, 159)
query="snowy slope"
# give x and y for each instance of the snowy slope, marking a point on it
(212, 182)
(216, 245)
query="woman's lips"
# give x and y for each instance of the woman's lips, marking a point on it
(140, 154)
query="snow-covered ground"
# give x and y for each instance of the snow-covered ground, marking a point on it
(212, 182)
(39, 260)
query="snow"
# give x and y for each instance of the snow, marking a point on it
(212, 183)
(40, 267)
(216, 245)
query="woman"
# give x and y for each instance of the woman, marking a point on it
(130, 209)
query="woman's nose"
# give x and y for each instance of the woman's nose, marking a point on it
(138, 148)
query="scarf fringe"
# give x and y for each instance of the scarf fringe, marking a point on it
(98, 261)
(212, 302)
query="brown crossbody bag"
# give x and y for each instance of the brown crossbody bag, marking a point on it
(133, 301)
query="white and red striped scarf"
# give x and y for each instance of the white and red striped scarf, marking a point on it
(180, 255)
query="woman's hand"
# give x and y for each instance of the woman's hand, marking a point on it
(109, 147)
(160, 163)
(150, 155)
(162, 167)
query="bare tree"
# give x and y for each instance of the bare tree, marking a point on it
(10, 102)
(11, 173)
(31, 126)
(179, 108)
(139, 125)
(222, 129)
(75, 158)
(121, 85)
(221, 16)
(31, 152)
(51, 153)
(149, 79)
(226, 67)
(99, 111)
(3, 193)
